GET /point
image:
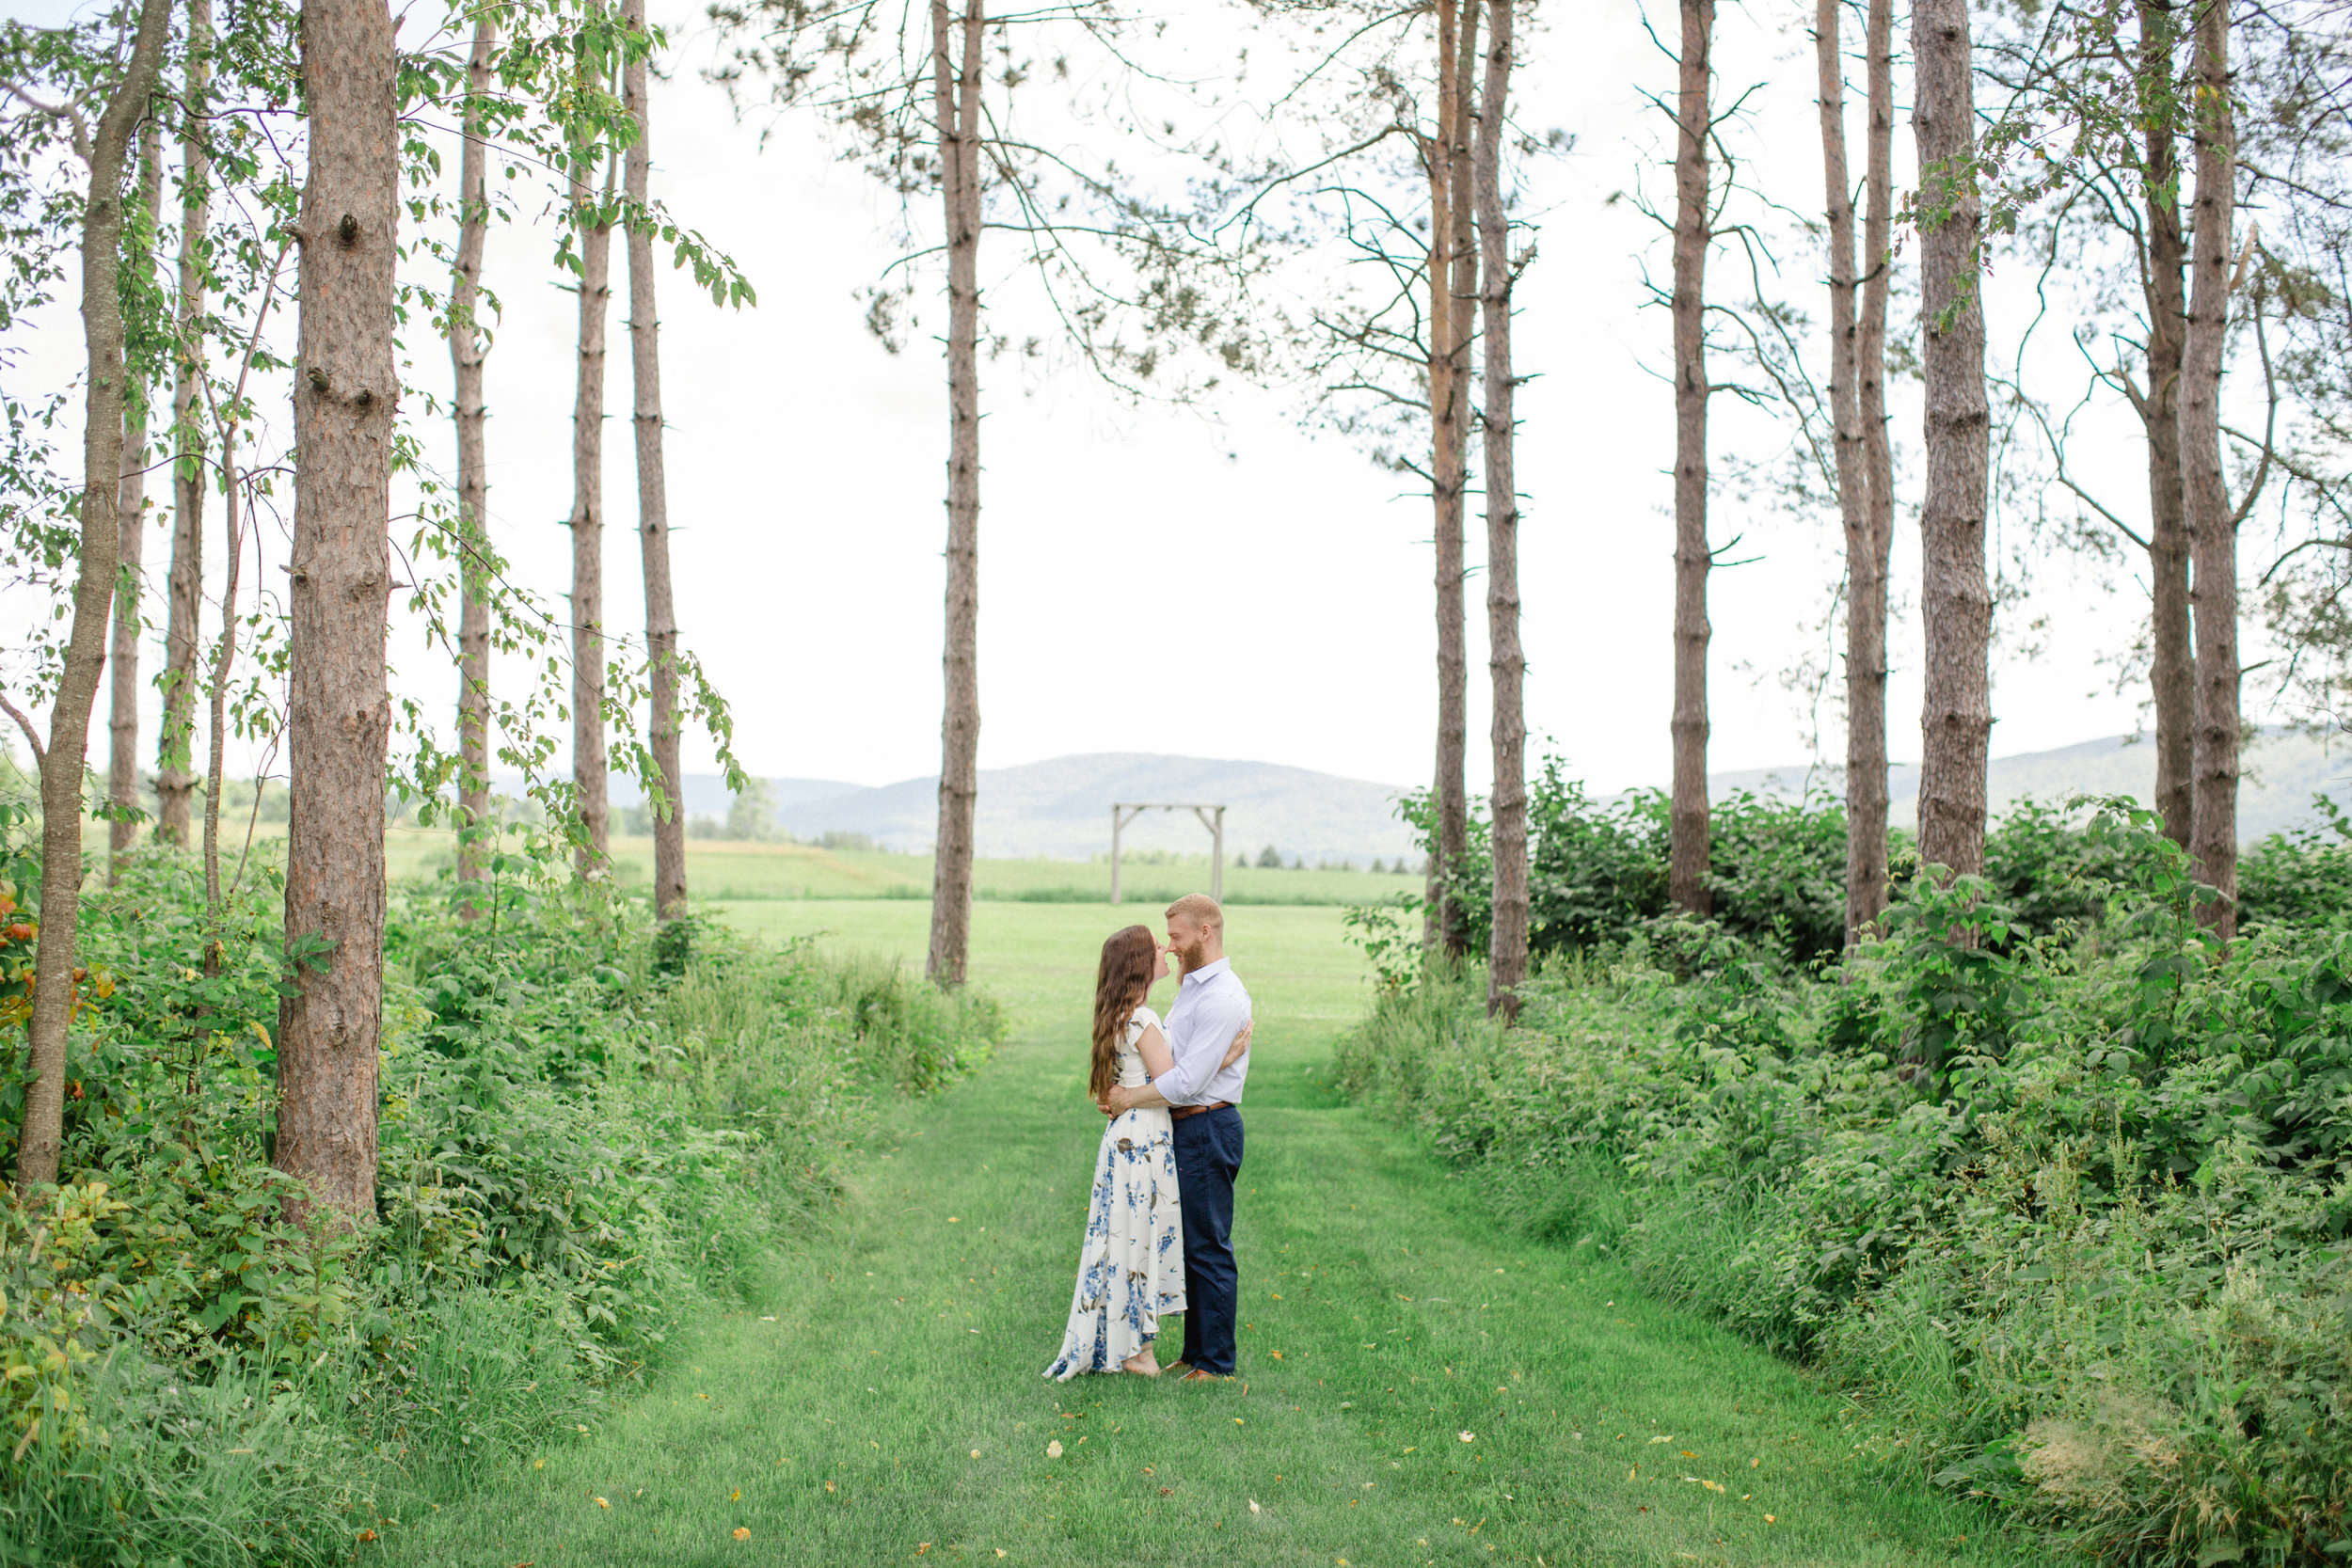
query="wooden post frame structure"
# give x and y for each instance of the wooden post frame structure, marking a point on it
(1211, 817)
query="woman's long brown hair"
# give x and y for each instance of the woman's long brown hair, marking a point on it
(1120, 984)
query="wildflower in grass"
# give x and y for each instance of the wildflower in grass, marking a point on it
(742, 1532)
(1052, 1450)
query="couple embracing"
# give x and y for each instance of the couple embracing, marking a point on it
(1159, 1226)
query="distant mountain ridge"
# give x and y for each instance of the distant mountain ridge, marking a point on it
(2285, 769)
(1060, 808)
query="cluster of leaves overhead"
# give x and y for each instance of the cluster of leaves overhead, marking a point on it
(2066, 161)
(1074, 181)
(554, 103)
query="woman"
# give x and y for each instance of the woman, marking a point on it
(1132, 1268)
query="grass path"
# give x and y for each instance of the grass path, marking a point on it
(886, 1405)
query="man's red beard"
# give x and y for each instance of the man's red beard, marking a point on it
(1195, 957)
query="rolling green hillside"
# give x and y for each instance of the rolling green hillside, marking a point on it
(719, 870)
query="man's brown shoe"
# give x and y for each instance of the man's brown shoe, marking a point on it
(1202, 1375)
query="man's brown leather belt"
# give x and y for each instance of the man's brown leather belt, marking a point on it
(1178, 1113)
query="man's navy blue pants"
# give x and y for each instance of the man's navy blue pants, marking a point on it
(1208, 1157)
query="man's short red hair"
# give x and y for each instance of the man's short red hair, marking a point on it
(1200, 908)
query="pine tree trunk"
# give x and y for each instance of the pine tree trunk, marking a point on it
(465, 352)
(1452, 323)
(653, 503)
(122, 721)
(2213, 529)
(185, 587)
(1506, 665)
(1687, 821)
(1845, 395)
(1866, 582)
(1857, 340)
(2172, 673)
(64, 758)
(589, 764)
(338, 712)
(957, 96)
(224, 657)
(1956, 603)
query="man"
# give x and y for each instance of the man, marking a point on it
(1203, 1098)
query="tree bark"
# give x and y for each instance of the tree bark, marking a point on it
(122, 721)
(1687, 819)
(338, 710)
(224, 656)
(2212, 525)
(1865, 746)
(1863, 459)
(1506, 665)
(64, 758)
(1956, 602)
(2172, 677)
(1845, 403)
(466, 351)
(589, 764)
(1878, 446)
(957, 97)
(653, 502)
(1452, 324)
(185, 587)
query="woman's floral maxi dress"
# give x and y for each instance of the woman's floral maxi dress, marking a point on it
(1132, 1268)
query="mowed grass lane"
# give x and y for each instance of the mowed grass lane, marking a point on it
(1418, 1388)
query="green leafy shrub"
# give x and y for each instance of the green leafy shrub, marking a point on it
(577, 1148)
(2069, 1211)
(2302, 876)
(1776, 866)
(1596, 871)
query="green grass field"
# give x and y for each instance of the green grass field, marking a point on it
(1418, 1388)
(722, 871)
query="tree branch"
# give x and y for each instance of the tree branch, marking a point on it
(41, 752)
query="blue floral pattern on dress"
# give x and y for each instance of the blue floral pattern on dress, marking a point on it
(1132, 1266)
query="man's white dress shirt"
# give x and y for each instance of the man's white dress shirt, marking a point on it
(1209, 1010)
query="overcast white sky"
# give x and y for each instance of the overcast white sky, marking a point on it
(1211, 581)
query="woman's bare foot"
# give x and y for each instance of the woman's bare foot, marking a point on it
(1143, 1363)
